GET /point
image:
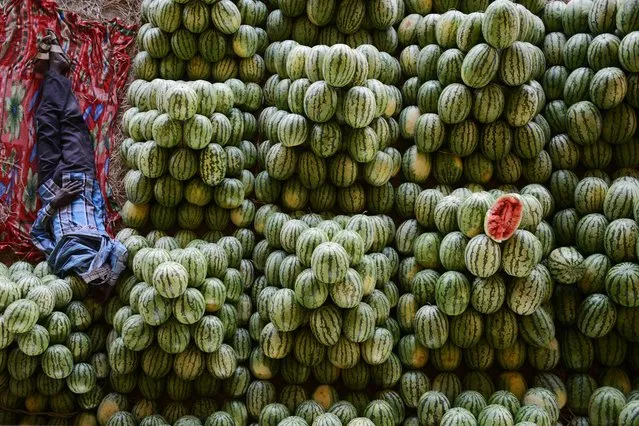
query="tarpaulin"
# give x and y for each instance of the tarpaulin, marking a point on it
(101, 64)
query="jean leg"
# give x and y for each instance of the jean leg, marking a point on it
(47, 114)
(77, 145)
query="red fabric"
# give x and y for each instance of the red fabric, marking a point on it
(98, 50)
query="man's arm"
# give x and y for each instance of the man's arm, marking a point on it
(41, 231)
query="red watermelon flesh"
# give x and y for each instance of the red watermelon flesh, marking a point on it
(503, 218)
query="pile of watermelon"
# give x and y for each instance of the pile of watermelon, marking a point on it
(362, 213)
(326, 121)
(53, 341)
(183, 178)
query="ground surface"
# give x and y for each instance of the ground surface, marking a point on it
(128, 11)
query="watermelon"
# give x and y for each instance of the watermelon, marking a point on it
(338, 65)
(627, 46)
(34, 342)
(21, 316)
(605, 405)
(516, 64)
(431, 326)
(471, 213)
(482, 256)
(329, 262)
(608, 87)
(522, 105)
(432, 406)
(620, 238)
(601, 307)
(458, 416)
(455, 103)
(503, 218)
(628, 414)
(627, 16)
(170, 279)
(501, 26)
(566, 265)
(621, 284)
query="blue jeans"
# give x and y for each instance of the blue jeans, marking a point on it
(63, 140)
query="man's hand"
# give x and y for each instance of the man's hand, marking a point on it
(66, 194)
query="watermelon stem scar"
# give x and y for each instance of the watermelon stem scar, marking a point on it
(503, 217)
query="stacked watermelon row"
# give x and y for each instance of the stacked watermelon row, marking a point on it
(503, 268)
(328, 130)
(208, 40)
(475, 287)
(52, 342)
(330, 283)
(597, 278)
(432, 407)
(590, 84)
(180, 324)
(188, 149)
(608, 150)
(191, 123)
(587, 324)
(352, 22)
(476, 307)
(328, 127)
(472, 101)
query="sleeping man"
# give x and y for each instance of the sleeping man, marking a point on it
(70, 226)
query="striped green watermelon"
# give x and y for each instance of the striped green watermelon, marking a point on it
(605, 405)
(34, 342)
(480, 66)
(21, 316)
(608, 87)
(338, 65)
(521, 106)
(170, 279)
(329, 262)
(57, 362)
(597, 306)
(620, 238)
(628, 414)
(621, 284)
(166, 131)
(482, 256)
(566, 265)
(627, 46)
(520, 253)
(501, 25)
(431, 326)
(455, 103)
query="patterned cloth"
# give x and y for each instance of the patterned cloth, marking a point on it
(73, 237)
(99, 76)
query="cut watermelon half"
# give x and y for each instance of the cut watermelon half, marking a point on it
(503, 217)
